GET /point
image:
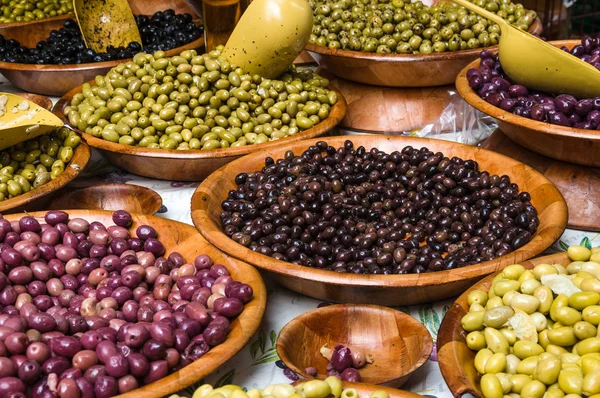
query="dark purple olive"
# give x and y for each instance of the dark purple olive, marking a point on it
(16, 343)
(96, 225)
(29, 223)
(118, 246)
(105, 349)
(56, 365)
(98, 251)
(77, 324)
(187, 291)
(565, 103)
(154, 246)
(192, 326)
(584, 107)
(203, 261)
(94, 372)
(11, 385)
(154, 349)
(135, 336)
(538, 113)
(96, 322)
(66, 346)
(240, 291)
(574, 118)
(196, 349)
(103, 292)
(229, 307)
(594, 117)
(351, 375)
(507, 104)
(106, 387)
(475, 81)
(29, 371)
(122, 294)
(12, 257)
(110, 262)
(135, 244)
(182, 340)
(556, 117)
(177, 259)
(55, 217)
(116, 366)
(85, 387)
(341, 358)
(162, 332)
(145, 232)
(158, 370)
(42, 322)
(518, 90)
(83, 248)
(89, 264)
(122, 218)
(215, 334)
(127, 383)
(138, 364)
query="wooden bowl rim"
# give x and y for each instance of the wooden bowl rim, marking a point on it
(457, 384)
(471, 97)
(215, 235)
(35, 21)
(198, 43)
(81, 157)
(535, 28)
(131, 187)
(252, 314)
(336, 114)
(332, 309)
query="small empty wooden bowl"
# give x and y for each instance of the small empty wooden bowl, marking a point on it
(398, 70)
(389, 290)
(39, 100)
(365, 390)
(557, 142)
(191, 165)
(56, 80)
(454, 356)
(128, 197)
(189, 243)
(398, 342)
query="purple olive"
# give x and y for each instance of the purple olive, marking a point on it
(85, 387)
(352, 375)
(106, 387)
(154, 349)
(203, 261)
(55, 217)
(56, 365)
(11, 385)
(138, 364)
(29, 371)
(229, 307)
(162, 332)
(116, 365)
(158, 370)
(66, 346)
(42, 322)
(559, 118)
(341, 358)
(29, 223)
(154, 246)
(136, 336)
(196, 349)
(122, 218)
(240, 291)
(135, 244)
(215, 333)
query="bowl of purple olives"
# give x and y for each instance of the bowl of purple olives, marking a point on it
(377, 219)
(561, 127)
(100, 304)
(52, 59)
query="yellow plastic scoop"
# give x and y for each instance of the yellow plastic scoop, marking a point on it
(269, 36)
(106, 23)
(538, 65)
(22, 120)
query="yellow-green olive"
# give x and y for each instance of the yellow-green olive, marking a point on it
(579, 253)
(472, 321)
(581, 300)
(518, 381)
(497, 317)
(547, 370)
(524, 349)
(491, 386)
(533, 389)
(481, 359)
(570, 381)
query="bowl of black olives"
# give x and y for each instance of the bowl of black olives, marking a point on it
(53, 59)
(375, 219)
(397, 43)
(558, 126)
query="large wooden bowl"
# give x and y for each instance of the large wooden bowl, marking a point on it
(398, 70)
(187, 241)
(389, 290)
(398, 343)
(454, 356)
(192, 165)
(558, 142)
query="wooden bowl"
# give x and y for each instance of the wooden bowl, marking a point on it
(32, 25)
(398, 70)
(365, 390)
(187, 241)
(39, 100)
(454, 356)
(129, 197)
(398, 342)
(558, 142)
(192, 165)
(56, 80)
(389, 290)
(40, 196)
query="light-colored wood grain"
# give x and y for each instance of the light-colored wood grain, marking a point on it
(56, 80)
(129, 197)
(365, 390)
(192, 165)
(454, 356)
(389, 290)
(188, 242)
(579, 185)
(40, 196)
(398, 342)
(557, 142)
(398, 70)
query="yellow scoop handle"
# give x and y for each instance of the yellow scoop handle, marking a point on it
(106, 23)
(538, 65)
(22, 120)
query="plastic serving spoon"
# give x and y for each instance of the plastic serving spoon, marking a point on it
(536, 64)
(106, 23)
(21, 120)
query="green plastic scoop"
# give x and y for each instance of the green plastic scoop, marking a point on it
(538, 65)
(106, 23)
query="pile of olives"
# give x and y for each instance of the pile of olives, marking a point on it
(31, 164)
(536, 331)
(193, 101)
(402, 27)
(29, 10)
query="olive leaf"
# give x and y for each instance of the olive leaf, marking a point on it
(563, 246)
(430, 319)
(227, 378)
(585, 242)
(258, 349)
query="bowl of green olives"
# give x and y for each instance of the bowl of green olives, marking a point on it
(32, 171)
(402, 44)
(183, 117)
(25, 13)
(530, 329)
